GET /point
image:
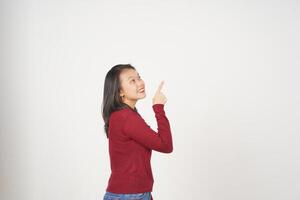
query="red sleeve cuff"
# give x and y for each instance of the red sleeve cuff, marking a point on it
(158, 107)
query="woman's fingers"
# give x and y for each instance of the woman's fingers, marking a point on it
(159, 97)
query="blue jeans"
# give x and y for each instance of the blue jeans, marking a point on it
(136, 196)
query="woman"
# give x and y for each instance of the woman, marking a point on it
(131, 140)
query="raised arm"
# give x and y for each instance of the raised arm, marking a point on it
(136, 128)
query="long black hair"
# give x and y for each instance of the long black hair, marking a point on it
(112, 100)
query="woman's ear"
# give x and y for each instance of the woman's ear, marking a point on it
(121, 93)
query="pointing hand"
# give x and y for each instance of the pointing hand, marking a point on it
(159, 97)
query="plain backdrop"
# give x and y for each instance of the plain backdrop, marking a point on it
(231, 71)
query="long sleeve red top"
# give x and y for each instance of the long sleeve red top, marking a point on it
(131, 141)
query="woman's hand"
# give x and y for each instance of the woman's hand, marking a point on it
(159, 97)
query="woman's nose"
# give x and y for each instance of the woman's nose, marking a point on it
(141, 83)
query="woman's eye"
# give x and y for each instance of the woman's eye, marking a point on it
(133, 80)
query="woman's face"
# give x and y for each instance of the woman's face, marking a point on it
(132, 86)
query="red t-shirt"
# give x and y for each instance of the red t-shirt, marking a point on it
(131, 141)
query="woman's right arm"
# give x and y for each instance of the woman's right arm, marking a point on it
(136, 128)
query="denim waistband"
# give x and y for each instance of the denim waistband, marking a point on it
(135, 196)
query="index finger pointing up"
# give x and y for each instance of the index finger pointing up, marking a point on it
(160, 86)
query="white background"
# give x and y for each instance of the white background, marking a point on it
(231, 71)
